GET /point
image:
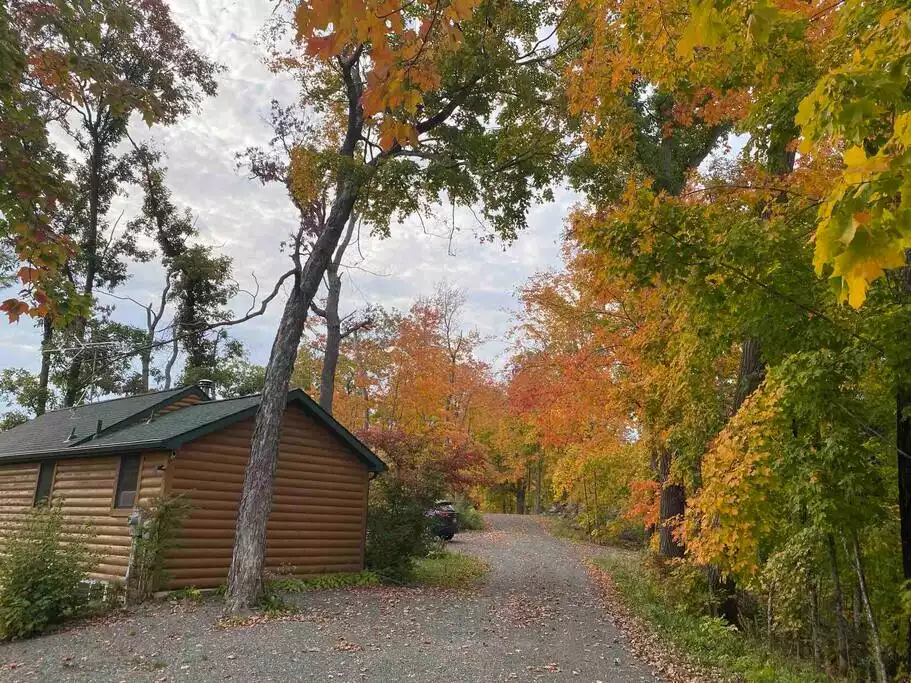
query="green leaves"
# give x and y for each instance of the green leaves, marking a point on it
(863, 104)
(705, 28)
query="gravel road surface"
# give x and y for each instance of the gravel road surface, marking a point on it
(536, 618)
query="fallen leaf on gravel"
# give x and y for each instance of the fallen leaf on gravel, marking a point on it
(344, 645)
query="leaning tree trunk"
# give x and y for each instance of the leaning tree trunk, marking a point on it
(245, 579)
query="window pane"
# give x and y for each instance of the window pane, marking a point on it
(45, 481)
(127, 481)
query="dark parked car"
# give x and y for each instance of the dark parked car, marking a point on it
(445, 518)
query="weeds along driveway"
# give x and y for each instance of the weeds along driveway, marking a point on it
(536, 618)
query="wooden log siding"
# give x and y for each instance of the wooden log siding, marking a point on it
(318, 509)
(86, 488)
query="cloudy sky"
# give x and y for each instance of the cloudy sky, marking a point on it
(248, 221)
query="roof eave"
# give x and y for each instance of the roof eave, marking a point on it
(84, 451)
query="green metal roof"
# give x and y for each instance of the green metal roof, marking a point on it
(70, 427)
(173, 429)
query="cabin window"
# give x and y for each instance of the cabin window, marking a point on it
(45, 482)
(127, 481)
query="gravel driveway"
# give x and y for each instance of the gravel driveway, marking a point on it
(536, 618)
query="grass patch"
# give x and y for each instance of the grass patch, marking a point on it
(325, 582)
(449, 570)
(708, 641)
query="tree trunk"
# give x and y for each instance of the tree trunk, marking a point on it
(749, 376)
(841, 639)
(903, 454)
(868, 609)
(814, 619)
(333, 321)
(44, 375)
(333, 341)
(169, 368)
(540, 475)
(245, 578)
(145, 360)
(90, 252)
(672, 505)
(520, 497)
(769, 620)
(750, 372)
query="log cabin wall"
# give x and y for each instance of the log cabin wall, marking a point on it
(86, 488)
(318, 510)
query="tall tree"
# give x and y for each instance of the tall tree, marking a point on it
(414, 104)
(132, 58)
(273, 164)
(337, 327)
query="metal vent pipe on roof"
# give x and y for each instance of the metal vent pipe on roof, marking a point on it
(208, 387)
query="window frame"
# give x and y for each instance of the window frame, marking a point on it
(36, 501)
(118, 490)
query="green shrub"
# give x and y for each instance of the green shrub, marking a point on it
(449, 570)
(469, 517)
(162, 520)
(398, 531)
(42, 574)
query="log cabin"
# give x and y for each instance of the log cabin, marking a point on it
(102, 460)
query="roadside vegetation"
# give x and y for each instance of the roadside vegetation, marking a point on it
(672, 603)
